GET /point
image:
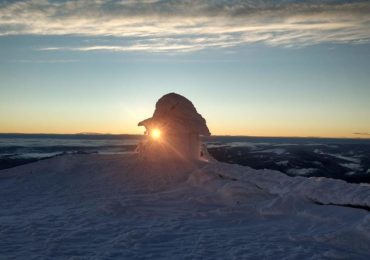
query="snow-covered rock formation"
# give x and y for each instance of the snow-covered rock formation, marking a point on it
(174, 131)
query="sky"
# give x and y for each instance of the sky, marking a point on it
(258, 68)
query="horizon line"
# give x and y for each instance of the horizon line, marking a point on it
(253, 136)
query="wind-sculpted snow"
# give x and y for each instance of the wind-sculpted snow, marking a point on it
(120, 207)
(318, 189)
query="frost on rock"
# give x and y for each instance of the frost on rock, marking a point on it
(174, 131)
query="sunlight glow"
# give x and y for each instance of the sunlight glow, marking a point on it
(155, 133)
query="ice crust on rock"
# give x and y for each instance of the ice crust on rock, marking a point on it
(180, 125)
(176, 114)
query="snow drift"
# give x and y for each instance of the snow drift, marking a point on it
(118, 206)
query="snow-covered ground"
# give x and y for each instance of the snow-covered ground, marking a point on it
(117, 206)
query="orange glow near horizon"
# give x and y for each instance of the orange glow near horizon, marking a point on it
(241, 119)
(216, 129)
(111, 123)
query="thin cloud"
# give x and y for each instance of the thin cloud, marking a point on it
(44, 61)
(362, 134)
(132, 48)
(183, 26)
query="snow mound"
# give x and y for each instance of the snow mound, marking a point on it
(120, 207)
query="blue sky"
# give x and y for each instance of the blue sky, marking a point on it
(276, 68)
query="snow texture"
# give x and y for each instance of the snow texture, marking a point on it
(120, 207)
(302, 171)
(352, 166)
(175, 113)
(339, 156)
(283, 163)
(278, 151)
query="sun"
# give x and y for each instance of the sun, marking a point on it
(155, 133)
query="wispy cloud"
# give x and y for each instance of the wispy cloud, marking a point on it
(362, 134)
(44, 61)
(184, 25)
